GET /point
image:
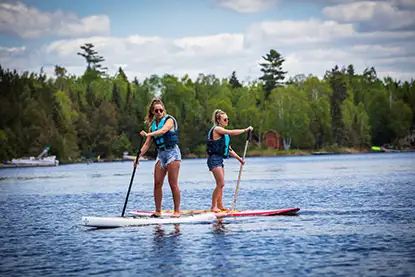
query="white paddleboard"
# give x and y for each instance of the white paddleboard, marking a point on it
(118, 221)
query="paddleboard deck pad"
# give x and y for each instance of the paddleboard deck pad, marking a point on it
(126, 221)
(288, 211)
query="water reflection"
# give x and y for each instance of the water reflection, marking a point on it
(219, 227)
(160, 232)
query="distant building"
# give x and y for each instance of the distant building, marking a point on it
(273, 139)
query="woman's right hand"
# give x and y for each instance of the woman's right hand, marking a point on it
(136, 161)
(250, 128)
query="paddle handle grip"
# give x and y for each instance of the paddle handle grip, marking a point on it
(249, 136)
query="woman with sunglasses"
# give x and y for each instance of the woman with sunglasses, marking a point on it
(218, 147)
(164, 132)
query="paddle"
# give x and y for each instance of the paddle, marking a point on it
(248, 138)
(132, 178)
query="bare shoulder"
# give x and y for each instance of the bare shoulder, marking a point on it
(170, 119)
(219, 130)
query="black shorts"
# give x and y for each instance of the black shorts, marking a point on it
(214, 161)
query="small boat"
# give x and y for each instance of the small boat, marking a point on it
(323, 153)
(126, 157)
(40, 160)
(384, 148)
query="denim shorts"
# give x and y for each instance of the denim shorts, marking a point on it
(214, 161)
(168, 156)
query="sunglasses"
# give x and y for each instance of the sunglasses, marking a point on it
(226, 119)
(158, 110)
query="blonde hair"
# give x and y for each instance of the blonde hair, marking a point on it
(150, 116)
(216, 116)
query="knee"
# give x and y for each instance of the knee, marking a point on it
(220, 185)
(174, 185)
(158, 185)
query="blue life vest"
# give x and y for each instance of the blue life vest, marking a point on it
(168, 139)
(220, 146)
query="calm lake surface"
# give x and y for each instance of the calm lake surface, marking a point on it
(357, 218)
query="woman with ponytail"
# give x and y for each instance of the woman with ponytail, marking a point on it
(163, 131)
(219, 148)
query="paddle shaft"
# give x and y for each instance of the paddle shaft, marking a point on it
(131, 181)
(240, 172)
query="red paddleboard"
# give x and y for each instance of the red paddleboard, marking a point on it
(289, 211)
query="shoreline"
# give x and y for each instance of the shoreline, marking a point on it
(252, 153)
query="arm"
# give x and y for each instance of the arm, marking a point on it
(144, 148)
(167, 126)
(235, 132)
(236, 156)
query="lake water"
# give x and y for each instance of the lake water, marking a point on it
(357, 218)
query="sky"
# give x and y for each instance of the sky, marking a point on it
(146, 37)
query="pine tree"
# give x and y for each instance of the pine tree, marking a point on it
(273, 73)
(234, 81)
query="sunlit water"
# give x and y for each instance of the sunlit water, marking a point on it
(357, 219)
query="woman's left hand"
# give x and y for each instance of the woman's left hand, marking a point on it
(242, 162)
(143, 133)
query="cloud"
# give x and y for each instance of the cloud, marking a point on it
(380, 51)
(309, 46)
(402, 4)
(286, 35)
(314, 46)
(10, 54)
(246, 6)
(155, 55)
(12, 50)
(374, 15)
(29, 23)
(215, 45)
(297, 33)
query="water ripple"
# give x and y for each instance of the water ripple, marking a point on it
(356, 219)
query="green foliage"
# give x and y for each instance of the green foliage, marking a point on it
(93, 60)
(319, 94)
(288, 114)
(121, 145)
(234, 82)
(337, 81)
(400, 119)
(272, 69)
(102, 115)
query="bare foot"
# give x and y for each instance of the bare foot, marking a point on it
(215, 210)
(175, 214)
(156, 214)
(224, 209)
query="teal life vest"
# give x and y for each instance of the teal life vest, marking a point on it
(168, 139)
(218, 147)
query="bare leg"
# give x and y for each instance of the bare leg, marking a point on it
(173, 176)
(218, 173)
(220, 200)
(159, 174)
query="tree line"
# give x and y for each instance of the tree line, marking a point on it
(97, 114)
